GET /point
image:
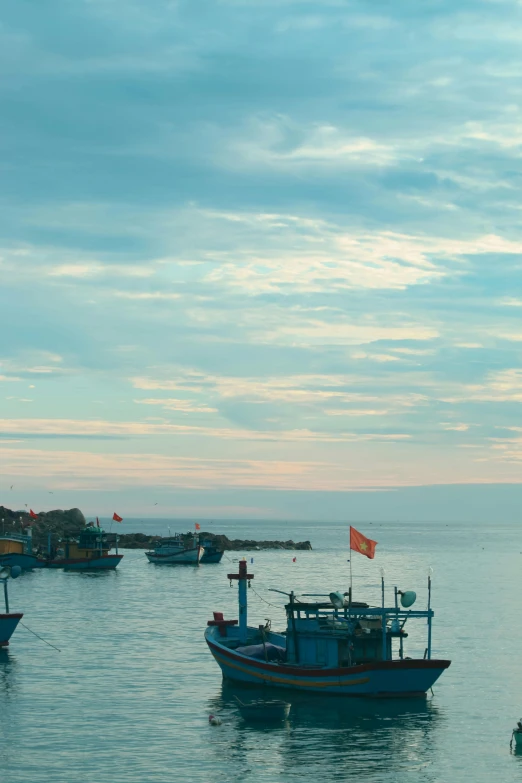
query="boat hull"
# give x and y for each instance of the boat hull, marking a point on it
(378, 679)
(86, 563)
(185, 557)
(211, 557)
(26, 562)
(8, 623)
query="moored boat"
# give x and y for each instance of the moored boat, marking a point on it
(16, 549)
(330, 647)
(8, 620)
(90, 550)
(174, 550)
(211, 554)
(516, 737)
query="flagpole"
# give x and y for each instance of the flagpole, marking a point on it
(351, 575)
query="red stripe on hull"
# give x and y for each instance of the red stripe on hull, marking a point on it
(363, 667)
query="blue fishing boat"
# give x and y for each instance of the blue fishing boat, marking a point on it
(8, 620)
(174, 550)
(211, 554)
(337, 646)
(16, 549)
(89, 551)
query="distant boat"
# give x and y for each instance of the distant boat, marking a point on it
(211, 554)
(89, 551)
(333, 646)
(8, 620)
(16, 549)
(173, 550)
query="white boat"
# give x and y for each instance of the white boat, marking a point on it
(175, 550)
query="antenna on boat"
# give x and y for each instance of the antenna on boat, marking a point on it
(5, 573)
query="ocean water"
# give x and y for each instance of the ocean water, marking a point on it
(127, 698)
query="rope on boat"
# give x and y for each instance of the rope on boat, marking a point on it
(275, 606)
(40, 637)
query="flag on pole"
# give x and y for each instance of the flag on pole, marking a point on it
(32, 514)
(359, 543)
(197, 526)
(117, 518)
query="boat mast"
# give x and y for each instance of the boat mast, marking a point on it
(429, 615)
(242, 579)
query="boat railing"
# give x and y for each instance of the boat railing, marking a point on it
(350, 613)
(14, 537)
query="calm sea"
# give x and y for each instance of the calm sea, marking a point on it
(128, 697)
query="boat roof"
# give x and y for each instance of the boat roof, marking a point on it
(14, 537)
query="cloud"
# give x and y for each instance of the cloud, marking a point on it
(93, 428)
(317, 260)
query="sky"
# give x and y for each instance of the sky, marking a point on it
(261, 258)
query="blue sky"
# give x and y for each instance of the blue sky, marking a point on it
(261, 258)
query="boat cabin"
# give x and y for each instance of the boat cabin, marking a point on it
(15, 544)
(320, 635)
(91, 543)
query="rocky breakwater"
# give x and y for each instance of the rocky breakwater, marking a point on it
(59, 524)
(223, 543)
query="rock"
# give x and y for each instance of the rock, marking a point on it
(221, 542)
(62, 524)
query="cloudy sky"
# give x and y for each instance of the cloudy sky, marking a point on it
(261, 257)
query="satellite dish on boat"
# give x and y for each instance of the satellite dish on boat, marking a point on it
(337, 600)
(408, 598)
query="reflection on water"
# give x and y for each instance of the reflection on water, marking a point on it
(9, 722)
(366, 737)
(7, 675)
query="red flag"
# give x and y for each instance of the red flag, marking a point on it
(97, 522)
(117, 518)
(361, 544)
(32, 514)
(197, 526)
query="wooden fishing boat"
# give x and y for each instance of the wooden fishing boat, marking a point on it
(269, 711)
(16, 549)
(174, 550)
(330, 647)
(8, 620)
(89, 551)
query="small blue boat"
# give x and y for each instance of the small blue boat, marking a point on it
(8, 620)
(174, 551)
(211, 554)
(336, 646)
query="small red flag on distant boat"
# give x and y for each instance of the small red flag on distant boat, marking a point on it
(32, 514)
(197, 526)
(361, 544)
(117, 518)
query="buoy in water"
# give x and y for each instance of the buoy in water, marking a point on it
(214, 721)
